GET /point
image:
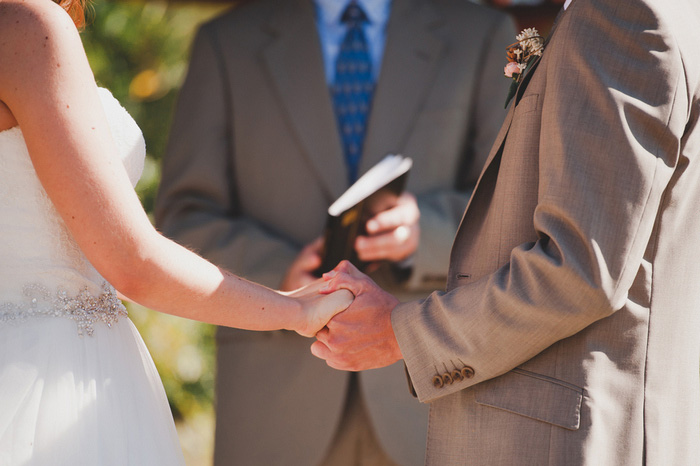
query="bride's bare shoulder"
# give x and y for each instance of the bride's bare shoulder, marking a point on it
(18, 15)
(32, 25)
(40, 49)
(34, 35)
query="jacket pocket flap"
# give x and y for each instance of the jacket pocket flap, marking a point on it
(535, 396)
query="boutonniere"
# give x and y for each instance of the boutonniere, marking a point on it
(521, 56)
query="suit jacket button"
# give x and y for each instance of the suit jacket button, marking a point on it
(457, 376)
(437, 382)
(467, 372)
(447, 378)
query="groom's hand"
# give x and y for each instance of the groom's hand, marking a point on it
(361, 337)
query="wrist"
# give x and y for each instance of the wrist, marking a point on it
(294, 313)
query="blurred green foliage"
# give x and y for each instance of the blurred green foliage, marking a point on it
(139, 51)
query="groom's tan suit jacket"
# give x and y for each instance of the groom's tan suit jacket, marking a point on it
(573, 302)
(255, 160)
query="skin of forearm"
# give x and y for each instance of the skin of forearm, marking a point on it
(175, 280)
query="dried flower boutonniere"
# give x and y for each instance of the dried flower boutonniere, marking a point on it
(521, 56)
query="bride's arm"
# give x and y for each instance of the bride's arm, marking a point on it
(46, 82)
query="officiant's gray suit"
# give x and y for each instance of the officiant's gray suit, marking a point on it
(254, 161)
(573, 307)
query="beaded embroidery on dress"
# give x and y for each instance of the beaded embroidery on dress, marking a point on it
(37, 249)
(77, 384)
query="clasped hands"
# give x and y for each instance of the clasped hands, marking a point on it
(350, 316)
(361, 337)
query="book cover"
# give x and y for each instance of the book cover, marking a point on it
(375, 191)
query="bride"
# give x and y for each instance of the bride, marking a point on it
(77, 385)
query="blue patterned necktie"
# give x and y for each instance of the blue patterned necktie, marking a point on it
(353, 87)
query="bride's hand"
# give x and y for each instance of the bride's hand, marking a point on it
(318, 309)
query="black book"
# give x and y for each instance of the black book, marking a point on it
(373, 192)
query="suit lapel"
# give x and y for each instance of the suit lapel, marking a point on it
(488, 177)
(295, 64)
(494, 155)
(500, 139)
(411, 58)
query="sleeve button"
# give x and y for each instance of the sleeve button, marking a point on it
(447, 378)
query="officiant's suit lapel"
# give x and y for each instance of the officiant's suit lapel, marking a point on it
(294, 61)
(411, 59)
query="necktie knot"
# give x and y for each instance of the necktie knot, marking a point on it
(354, 15)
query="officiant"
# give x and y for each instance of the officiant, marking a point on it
(285, 104)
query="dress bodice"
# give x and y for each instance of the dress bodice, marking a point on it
(42, 270)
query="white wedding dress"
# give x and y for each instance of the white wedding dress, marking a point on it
(77, 384)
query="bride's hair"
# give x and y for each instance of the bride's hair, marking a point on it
(76, 10)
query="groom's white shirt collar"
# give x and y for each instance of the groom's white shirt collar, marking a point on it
(566, 5)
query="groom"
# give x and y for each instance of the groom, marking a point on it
(569, 331)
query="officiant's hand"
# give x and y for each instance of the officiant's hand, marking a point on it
(361, 337)
(392, 234)
(300, 273)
